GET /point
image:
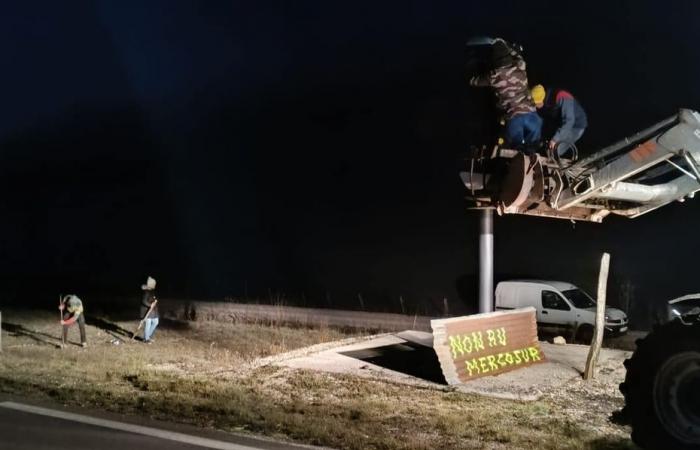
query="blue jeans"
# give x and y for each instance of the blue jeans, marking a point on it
(523, 130)
(148, 328)
(567, 139)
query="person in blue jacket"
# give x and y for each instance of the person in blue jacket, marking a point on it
(564, 113)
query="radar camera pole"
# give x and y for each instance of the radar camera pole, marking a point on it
(486, 261)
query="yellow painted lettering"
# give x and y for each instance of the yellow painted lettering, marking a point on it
(516, 353)
(472, 367)
(456, 347)
(482, 364)
(491, 337)
(492, 362)
(509, 358)
(501, 361)
(525, 355)
(534, 353)
(467, 344)
(477, 340)
(501, 336)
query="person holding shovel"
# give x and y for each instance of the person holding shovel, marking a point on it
(149, 310)
(71, 308)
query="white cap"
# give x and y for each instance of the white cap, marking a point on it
(150, 284)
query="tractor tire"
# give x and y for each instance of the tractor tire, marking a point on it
(662, 388)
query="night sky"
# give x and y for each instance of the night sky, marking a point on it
(311, 149)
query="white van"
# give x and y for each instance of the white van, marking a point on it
(561, 307)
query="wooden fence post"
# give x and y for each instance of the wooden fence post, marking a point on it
(597, 341)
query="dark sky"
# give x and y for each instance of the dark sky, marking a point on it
(311, 146)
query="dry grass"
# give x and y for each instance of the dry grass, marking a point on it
(204, 374)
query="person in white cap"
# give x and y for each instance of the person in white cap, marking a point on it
(149, 310)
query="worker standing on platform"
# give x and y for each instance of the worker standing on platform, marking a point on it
(508, 78)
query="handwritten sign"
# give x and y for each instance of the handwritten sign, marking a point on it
(470, 347)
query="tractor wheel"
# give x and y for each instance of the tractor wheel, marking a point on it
(662, 388)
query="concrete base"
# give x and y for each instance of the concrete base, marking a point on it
(564, 364)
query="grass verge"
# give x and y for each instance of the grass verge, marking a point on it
(204, 374)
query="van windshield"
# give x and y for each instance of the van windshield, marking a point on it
(579, 298)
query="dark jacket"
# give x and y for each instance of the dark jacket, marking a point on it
(563, 112)
(148, 298)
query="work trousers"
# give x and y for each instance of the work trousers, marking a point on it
(523, 131)
(81, 325)
(149, 327)
(567, 140)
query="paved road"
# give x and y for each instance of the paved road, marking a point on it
(27, 427)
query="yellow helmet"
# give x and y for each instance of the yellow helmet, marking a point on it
(538, 94)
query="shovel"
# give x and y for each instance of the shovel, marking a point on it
(60, 318)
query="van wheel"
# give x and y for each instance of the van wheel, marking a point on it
(584, 334)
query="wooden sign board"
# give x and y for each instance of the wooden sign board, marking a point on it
(480, 345)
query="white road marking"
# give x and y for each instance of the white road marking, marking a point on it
(136, 429)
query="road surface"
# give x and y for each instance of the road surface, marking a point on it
(29, 427)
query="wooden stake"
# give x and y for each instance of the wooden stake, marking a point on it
(597, 341)
(362, 301)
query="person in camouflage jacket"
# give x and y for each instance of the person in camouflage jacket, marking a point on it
(508, 78)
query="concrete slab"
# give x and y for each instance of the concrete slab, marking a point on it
(417, 337)
(564, 364)
(333, 360)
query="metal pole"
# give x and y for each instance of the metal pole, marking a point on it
(486, 261)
